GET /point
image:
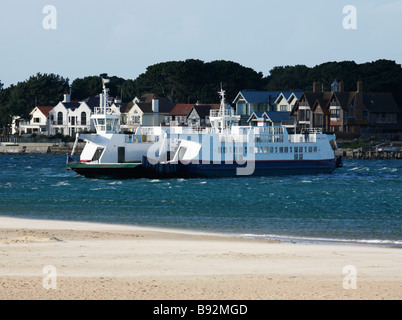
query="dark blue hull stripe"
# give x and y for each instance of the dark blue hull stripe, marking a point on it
(262, 168)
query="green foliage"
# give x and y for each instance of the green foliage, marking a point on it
(377, 76)
(193, 80)
(41, 89)
(91, 86)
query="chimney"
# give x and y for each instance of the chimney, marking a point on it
(316, 86)
(155, 104)
(341, 86)
(359, 86)
(67, 98)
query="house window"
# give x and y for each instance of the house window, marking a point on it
(60, 118)
(136, 119)
(83, 118)
(335, 113)
(36, 120)
(283, 108)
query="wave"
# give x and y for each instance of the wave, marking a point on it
(61, 183)
(301, 239)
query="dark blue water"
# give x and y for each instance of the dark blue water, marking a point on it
(360, 202)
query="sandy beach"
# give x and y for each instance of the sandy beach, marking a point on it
(55, 260)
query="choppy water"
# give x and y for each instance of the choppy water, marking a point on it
(360, 202)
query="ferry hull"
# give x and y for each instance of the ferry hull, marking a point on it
(147, 170)
(258, 168)
(262, 168)
(113, 171)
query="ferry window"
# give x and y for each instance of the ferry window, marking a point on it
(265, 149)
(271, 149)
(305, 149)
(286, 149)
(291, 149)
(276, 149)
(301, 156)
(310, 149)
(255, 150)
(281, 149)
(296, 156)
(296, 149)
(245, 150)
(315, 149)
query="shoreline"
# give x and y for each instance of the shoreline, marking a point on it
(297, 240)
(106, 261)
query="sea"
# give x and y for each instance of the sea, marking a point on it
(358, 204)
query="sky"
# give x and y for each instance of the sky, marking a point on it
(122, 38)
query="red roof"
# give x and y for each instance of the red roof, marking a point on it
(181, 109)
(45, 110)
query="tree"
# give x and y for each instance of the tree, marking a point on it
(40, 89)
(91, 86)
(194, 80)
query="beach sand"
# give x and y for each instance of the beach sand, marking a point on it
(55, 260)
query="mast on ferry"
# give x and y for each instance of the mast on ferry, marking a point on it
(106, 122)
(222, 108)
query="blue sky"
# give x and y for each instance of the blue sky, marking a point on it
(123, 38)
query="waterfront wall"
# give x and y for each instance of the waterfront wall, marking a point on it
(39, 148)
(369, 154)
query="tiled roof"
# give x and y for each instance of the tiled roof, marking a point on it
(260, 96)
(45, 110)
(181, 109)
(380, 102)
(278, 116)
(71, 105)
(145, 104)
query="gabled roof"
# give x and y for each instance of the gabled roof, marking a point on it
(258, 96)
(145, 104)
(94, 102)
(288, 94)
(344, 98)
(71, 105)
(181, 109)
(203, 110)
(122, 106)
(44, 109)
(312, 97)
(274, 116)
(380, 102)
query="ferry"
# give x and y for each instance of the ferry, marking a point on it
(223, 150)
(109, 153)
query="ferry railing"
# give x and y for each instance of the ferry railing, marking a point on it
(101, 110)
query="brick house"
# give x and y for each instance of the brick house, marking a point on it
(355, 112)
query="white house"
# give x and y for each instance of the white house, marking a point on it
(68, 117)
(39, 122)
(149, 110)
(287, 100)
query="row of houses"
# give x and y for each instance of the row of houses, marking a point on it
(332, 111)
